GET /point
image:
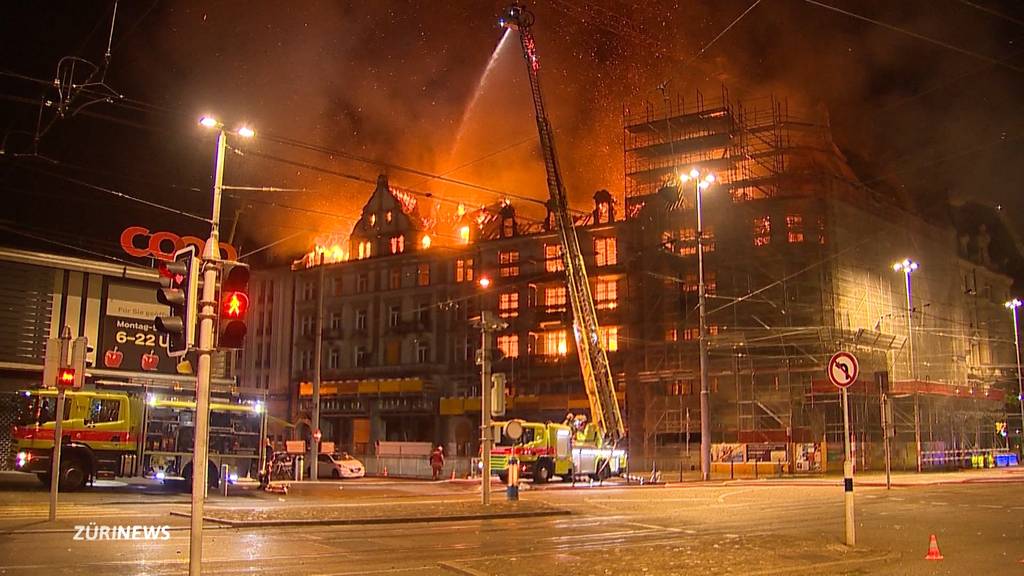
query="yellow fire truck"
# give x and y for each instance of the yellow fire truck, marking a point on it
(108, 434)
(548, 450)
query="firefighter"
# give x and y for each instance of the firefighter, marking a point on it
(437, 462)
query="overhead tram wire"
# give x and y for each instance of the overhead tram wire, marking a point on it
(918, 36)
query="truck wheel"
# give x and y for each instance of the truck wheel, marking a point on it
(73, 474)
(212, 476)
(542, 472)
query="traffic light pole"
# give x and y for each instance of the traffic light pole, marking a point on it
(485, 406)
(58, 425)
(314, 425)
(206, 316)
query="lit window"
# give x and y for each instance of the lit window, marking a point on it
(687, 242)
(509, 345)
(690, 282)
(373, 219)
(553, 258)
(464, 234)
(423, 274)
(794, 228)
(397, 244)
(691, 334)
(762, 230)
(671, 335)
(709, 239)
(710, 282)
(508, 304)
(605, 250)
(822, 237)
(464, 270)
(388, 217)
(509, 261)
(553, 344)
(365, 249)
(425, 241)
(554, 299)
(606, 294)
(609, 336)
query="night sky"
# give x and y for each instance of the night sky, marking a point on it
(404, 84)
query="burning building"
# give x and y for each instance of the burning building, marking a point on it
(799, 256)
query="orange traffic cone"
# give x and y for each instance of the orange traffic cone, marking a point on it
(453, 474)
(933, 550)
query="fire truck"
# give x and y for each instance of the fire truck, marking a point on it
(548, 450)
(552, 449)
(109, 434)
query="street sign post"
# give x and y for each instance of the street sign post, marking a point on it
(62, 372)
(842, 372)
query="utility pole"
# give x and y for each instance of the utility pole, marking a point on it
(489, 323)
(705, 393)
(314, 425)
(207, 313)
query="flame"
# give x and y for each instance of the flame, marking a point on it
(328, 249)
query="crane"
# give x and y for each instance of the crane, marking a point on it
(597, 375)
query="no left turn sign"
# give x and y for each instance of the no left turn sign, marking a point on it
(843, 369)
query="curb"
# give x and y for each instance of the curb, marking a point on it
(372, 521)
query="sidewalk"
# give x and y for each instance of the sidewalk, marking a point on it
(871, 478)
(375, 512)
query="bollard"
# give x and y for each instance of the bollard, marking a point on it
(512, 491)
(298, 468)
(224, 477)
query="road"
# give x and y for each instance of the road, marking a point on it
(724, 528)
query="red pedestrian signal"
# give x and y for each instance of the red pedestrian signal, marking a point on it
(234, 306)
(66, 378)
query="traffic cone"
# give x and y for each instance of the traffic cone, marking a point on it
(933, 550)
(385, 471)
(453, 474)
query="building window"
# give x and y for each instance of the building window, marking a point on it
(508, 304)
(606, 294)
(388, 216)
(307, 325)
(372, 218)
(397, 244)
(422, 315)
(553, 344)
(423, 274)
(553, 258)
(362, 356)
(337, 287)
(509, 345)
(361, 320)
(464, 234)
(509, 261)
(464, 270)
(671, 335)
(365, 249)
(335, 321)
(709, 239)
(308, 291)
(605, 249)
(554, 299)
(690, 282)
(794, 228)
(306, 360)
(687, 242)
(710, 282)
(394, 316)
(822, 236)
(394, 278)
(334, 359)
(422, 352)
(691, 334)
(362, 283)
(762, 230)
(609, 336)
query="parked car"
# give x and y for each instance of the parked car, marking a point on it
(339, 466)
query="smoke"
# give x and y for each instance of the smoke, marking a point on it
(392, 81)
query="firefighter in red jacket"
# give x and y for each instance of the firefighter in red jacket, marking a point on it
(437, 461)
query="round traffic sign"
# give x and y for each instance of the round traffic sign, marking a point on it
(843, 369)
(514, 429)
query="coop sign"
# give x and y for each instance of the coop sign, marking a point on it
(141, 243)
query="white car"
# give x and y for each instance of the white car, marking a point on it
(339, 466)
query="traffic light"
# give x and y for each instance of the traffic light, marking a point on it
(234, 305)
(179, 289)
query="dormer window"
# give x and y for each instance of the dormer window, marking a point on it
(388, 217)
(372, 219)
(397, 244)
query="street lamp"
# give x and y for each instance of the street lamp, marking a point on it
(205, 350)
(700, 184)
(908, 266)
(1012, 305)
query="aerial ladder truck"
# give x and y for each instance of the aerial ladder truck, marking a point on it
(594, 450)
